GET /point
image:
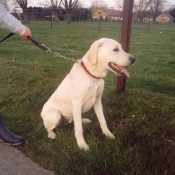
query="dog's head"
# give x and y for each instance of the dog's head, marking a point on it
(108, 54)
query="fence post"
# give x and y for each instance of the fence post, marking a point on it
(51, 19)
(125, 37)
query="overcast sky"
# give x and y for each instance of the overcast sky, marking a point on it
(86, 3)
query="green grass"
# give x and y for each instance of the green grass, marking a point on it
(142, 118)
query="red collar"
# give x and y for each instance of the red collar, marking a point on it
(84, 67)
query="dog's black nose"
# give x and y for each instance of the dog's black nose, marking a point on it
(132, 59)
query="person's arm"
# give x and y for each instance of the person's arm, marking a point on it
(10, 23)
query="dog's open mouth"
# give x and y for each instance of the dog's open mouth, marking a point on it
(118, 69)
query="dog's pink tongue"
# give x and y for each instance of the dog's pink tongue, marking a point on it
(125, 71)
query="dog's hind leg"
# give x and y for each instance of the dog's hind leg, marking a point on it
(51, 119)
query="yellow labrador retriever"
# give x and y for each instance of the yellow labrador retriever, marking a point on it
(82, 88)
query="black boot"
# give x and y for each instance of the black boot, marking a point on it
(8, 137)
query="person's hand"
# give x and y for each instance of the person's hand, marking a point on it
(27, 33)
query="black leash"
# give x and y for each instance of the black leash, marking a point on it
(8, 36)
(38, 44)
(43, 47)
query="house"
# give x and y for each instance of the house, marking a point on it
(107, 15)
(164, 18)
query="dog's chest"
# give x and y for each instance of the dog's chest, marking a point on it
(90, 98)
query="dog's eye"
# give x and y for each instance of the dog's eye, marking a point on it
(116, 50)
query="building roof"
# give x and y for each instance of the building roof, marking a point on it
(166, 13)
(169, 15)
(112, 12)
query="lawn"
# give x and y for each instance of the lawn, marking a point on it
(142, 118)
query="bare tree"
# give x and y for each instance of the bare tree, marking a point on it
(56, 6)
(23, 5)
(119, 4)
(4, 3)
(79, 5)
(156, 6)
(78, 10)
(99, 4)
(69, 5)
(140, 7)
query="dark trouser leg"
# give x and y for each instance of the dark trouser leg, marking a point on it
(8, 137)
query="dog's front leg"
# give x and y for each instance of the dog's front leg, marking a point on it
(100, 115)
(78, 125)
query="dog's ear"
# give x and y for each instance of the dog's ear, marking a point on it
(92, 54)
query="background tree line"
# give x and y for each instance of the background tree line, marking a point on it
(153, 7)
(72, 10)
(57, 6)
(40, 13)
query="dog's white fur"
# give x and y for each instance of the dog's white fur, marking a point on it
(78, 92)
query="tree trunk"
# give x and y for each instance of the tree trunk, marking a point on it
(25, 15)
(68, 16)
(56, 13)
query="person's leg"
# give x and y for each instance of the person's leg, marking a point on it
(8, 137)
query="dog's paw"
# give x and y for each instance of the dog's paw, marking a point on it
(52, 135)
(111, 136)
(108, 134)
(85, 120)
(84, 147)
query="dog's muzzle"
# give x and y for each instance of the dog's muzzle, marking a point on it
(132, 60)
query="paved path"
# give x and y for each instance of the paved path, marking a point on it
(13, 162)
